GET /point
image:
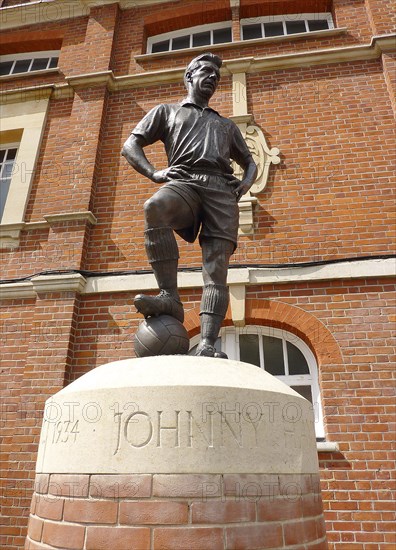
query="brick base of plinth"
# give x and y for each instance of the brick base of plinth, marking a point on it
(176, 512)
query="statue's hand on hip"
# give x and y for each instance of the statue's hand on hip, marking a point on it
(168, 174)
(242, 187)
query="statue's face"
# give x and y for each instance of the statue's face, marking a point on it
(205, 79)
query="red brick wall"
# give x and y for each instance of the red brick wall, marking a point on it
(34, 367)
(18, 416)
(327, 123)
(389, 65)
(382, 19)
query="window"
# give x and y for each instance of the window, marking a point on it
(28, 62)
(280, 25)
(7, 160)
(194, 37)
(22, 128)
(252, 28)
(280, 353)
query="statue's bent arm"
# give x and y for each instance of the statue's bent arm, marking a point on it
(133, 152)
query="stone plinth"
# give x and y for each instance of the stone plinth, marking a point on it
(174, 453)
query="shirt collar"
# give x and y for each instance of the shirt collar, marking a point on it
(186, 102)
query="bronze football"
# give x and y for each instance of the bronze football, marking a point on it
(162, 335)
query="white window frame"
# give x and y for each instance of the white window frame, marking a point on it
(29, 55)
(27, 120)
(188, 31)
(230, 345)
(6, 147)
(284, 19)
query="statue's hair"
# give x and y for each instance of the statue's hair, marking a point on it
(194, 63)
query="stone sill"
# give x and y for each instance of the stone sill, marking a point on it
(43, 72)
(10, 233)
(241, 43)
(327, 447)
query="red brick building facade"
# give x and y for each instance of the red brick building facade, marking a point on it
(314, 258)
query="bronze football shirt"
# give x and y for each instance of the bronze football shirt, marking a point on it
(195, 138)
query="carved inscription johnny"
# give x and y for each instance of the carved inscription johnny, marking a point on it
(131, 427)
(213, 427)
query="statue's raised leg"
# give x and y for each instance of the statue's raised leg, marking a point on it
(163, 254)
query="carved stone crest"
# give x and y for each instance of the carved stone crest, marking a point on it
(263, 157)
(262, 154)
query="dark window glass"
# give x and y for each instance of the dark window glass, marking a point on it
(273, 356)
(39, 64)
(4, 187)
(7, 159)
(53, 62)
(11, 154)
(249, 349)
(273, 29)
(5, 67)
(297, 362)
(222, 35)
(160, 46)
(22, 66)
(319, 25)
(181, 42)
(305, 391)
(251, 31)
(201, 39)
(293, 27)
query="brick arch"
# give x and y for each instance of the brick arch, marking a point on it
(184, 16)
(22, 41)
(287, 317)
(257, 8)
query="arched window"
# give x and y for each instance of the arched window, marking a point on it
(282, 25)
(280, 353)
(193, 37)
(20, 63)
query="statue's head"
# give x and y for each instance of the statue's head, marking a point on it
(202, 71)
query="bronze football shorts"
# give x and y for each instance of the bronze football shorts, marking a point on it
(213, 204)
